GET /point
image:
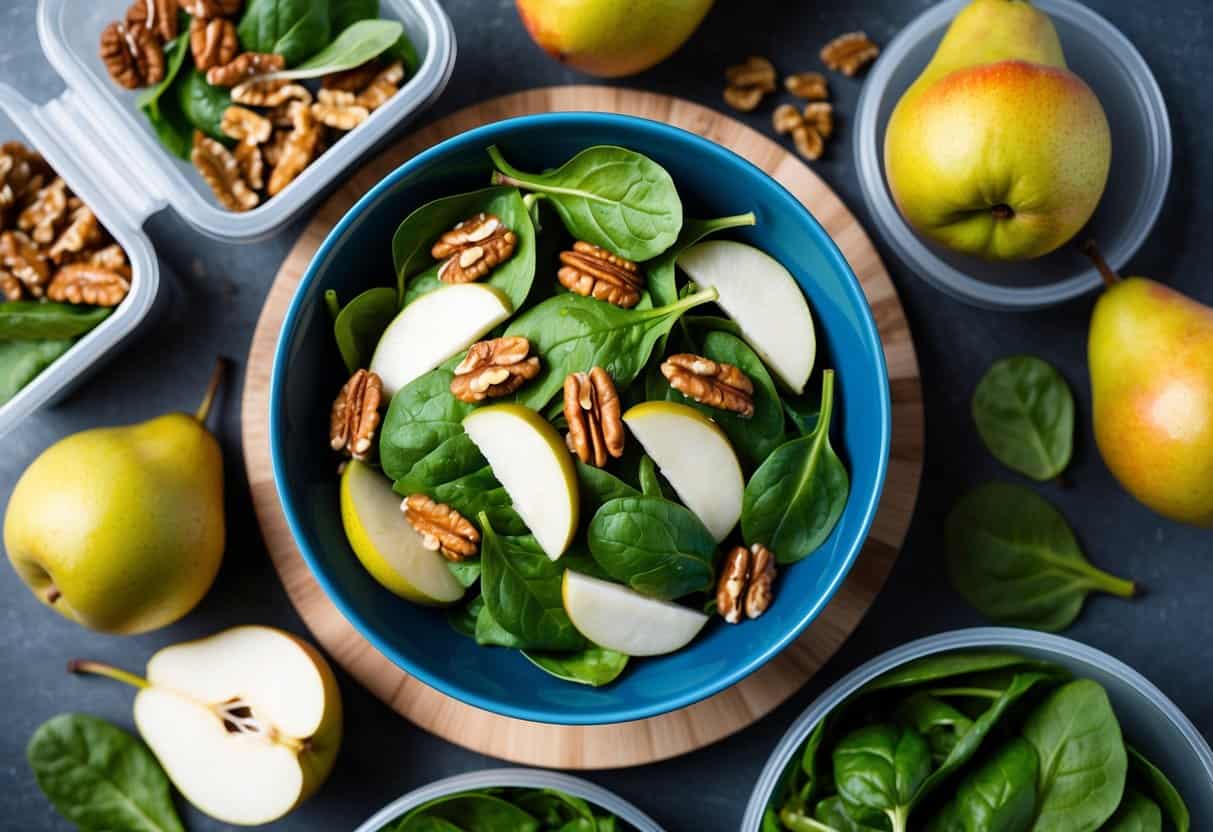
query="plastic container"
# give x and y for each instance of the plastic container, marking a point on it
(1148, 719)
(1141, 162)
(58, 131)
(70, 30)
(526, 778)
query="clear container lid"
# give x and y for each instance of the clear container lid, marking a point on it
(70, 31)
(1141, 162)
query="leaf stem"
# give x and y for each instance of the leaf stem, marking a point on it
(108, 671)
(708, 295)
(1109, 275)
(827, 401)
(976, 693)
(1113, 585)
(212, 387)
(334, 305)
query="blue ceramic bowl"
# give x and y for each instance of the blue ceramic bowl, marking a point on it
(307, 373)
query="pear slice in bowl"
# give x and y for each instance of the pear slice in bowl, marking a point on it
(621, 619)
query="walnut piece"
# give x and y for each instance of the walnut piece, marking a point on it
(83, 232)
(442, 529)
(592, 271)
(158, 15)
(252, 164)
(355, 415)
(270, 92)
(111, 258)
(300, 147)
(849, 53)
(21, 256)
(206, 9)
(809, 143)
(22, 174)
(214, 42)
(820, 116)
(494, 368)
(353, 80)
(339, 109)
(222, 172)
(245, 125)
(747, 578)
(786, 118)
(709, 382)
(810, 85)
(132, 55)
(747, 83)
(243, 67)
(382, 87)
(86, 283)
(10, 286)
(594, 416)
(42, 217)
(473, 248)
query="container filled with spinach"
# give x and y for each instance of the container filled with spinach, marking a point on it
(1012, 732)
(579, 422)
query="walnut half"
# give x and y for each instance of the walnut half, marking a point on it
(87, 283)
(747, 578)
(442, 529)
(494, 368)
(473, 248)
(355, 415)
(594, 415)
(592, 271)
(222, 172)
(132, 55)
(709, 382)
(849, 53)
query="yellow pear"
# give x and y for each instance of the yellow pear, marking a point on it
(121, 529)
(1151, 355)
(997, 149)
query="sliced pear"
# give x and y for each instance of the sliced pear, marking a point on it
(620, 619)
(764, 299)
(436, 326)
(534, 466)
(695, 455)
(389, 548)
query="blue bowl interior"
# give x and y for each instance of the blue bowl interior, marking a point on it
(308, 372)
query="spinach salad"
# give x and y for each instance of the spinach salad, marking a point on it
(508, 810)
(973, 741)
(577, 452)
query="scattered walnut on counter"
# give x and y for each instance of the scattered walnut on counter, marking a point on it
(810, 85)
(595, 417)
(746, 83)
(592, 271)
(849, 53)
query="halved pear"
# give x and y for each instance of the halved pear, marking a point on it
(695, 455)
(389, 548)
(764, 299)
(620, 619)
(436, 326)
(533, 464)
(247, 723)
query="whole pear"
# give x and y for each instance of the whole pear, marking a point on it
(998, 150)
(610, 38)
(121, 529)
(1151, 355)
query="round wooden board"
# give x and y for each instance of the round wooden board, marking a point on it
(672, 734)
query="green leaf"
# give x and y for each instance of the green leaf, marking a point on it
(203, 105)
(1013, 557)
(489, 633)
(593, 666)
(360, 324)
(417, 233)
(573, 333)
(598, 486)
(662, 277)
(361, 41)
(944, 666)
(656, 547)
(100, 777)
(404, 51)
(25, 320)
(609, 196)
(294, 29)
(1137, 813)
(344, 13)
(1083, 764)
(471, 811)
(879, 770)
(22, 361)
(162, 108)
(832, 812)
(938, 721)
(796, 496)
(1025, 414)
(462, 618)
(997, 796)
(421, 417)
(1152, 780)
(650, 485)
(522, 591)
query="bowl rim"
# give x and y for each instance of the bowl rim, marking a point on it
(965, 639)
(523, 778)
(483, 136)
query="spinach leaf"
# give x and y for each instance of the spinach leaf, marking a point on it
(573, 333)
(25, 320)
(1025, 414)
(100, 777)
(344, 13)
(650, 485)
(22, 361)
(472, 811)
(556, 809)
(361, 41)
(416, 235)
(598, 486)
(1137, 813)
(161, 107)
(879, 770)
(404, 51)
(361, 323)
(203, 105)
(462, 618)
(609, 196)
(522, 591)
(1151, 779)
(489, 633)
(1013, 557)
(662, 281)
(833, 813)
(942, 724)
(756, 437)
(593, 666)
(1083, 763)
(421, 417)
(656, 547)
(942, 666)
(294, 29)
(997, 796)
(796, 496)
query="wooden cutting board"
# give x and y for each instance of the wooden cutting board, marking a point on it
(679, 732)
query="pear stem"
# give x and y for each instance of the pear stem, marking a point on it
(1109, 275)
(108, 671)
(53, 594)
(212, 387)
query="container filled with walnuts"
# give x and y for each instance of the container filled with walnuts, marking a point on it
(237, 113)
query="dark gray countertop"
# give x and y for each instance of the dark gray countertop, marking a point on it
(1167, 635)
